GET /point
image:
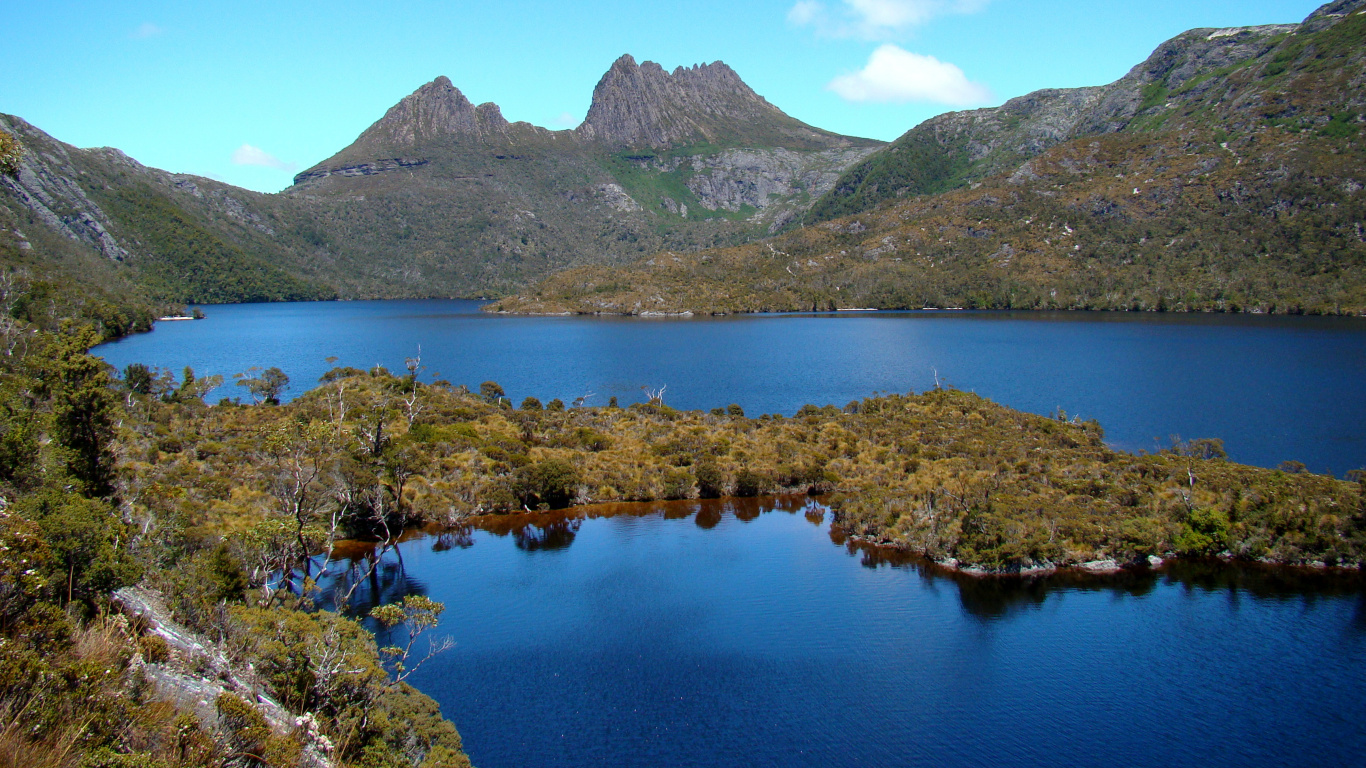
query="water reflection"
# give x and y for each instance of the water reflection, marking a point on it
(364, 575)
(660, 631)
(374, 574)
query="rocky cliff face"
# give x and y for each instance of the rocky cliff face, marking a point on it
(643, 106)
(435, 112)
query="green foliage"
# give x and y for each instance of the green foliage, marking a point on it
(87, 545)
(189, 263)
(531, 404)
(1205, 532)
(83, 409)
(552, 483)
(918, 163)
(1153, 94)
(710, 481)
(264, 386)
(11, 153)
(492, 392)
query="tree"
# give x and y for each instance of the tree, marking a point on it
(418, 614)
(139, 378)
(11, 153)
(194, 389)
(83, 406)
(265, 386)
(491, 392)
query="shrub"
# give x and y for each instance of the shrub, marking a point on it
(553, 483)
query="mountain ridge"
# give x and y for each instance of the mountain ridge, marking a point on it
(1224, 173)
(438, 197)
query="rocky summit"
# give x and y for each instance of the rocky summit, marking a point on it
(643, 106)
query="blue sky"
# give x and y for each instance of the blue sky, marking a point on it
(251, 92)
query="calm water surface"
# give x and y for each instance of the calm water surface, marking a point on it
(728, 634)
(1273, 388)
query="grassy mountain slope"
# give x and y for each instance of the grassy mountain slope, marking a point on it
(1236, 188)
(98, 219)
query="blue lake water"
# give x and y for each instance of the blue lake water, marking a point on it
(1273, 388)
(728, 634)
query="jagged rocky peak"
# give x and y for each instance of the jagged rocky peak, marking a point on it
(644, 106)
(437, 110)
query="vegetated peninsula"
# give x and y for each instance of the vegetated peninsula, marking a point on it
(438, 198)
(160, 558)
(1225, 173)
(143, 533)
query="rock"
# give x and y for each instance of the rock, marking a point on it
(643, 106)
(1101, 566)
(616, 198)
(359, 169)
(1154, 561)
(437, 110)
(200, 671)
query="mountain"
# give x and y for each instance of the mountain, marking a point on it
(114, 241)
(439, 197)
(1225, 173)
(643, 106)
(956, 149)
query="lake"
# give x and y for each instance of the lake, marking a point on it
(1272, 388)
(742, 632)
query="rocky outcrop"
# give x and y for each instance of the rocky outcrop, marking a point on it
(616, 198)
(761, 178)
(436, 111)
(46, 185)
(643, 106)
(197, 671)
(359, 169)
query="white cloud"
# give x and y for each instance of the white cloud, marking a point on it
(146, 30)
(565, 120)
(249, 155)
(896, 75)
(806, 12)
(875, 19)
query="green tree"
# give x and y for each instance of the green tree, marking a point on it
(139, 378)
(264, 386)
(10, 154)
(87, 544)
(553, 482)
(417, 614)
(193, 389)
(491, 392)
(83, 409)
